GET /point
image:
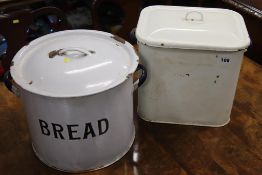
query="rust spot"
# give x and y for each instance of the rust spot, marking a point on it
(119, 39)
(53, 53)
(92, 51)
(12, 63)
(31, 82)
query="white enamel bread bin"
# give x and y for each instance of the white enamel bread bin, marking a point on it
(77, 90)
(193, 58)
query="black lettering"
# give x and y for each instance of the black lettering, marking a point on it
(70, 132)
(89, 130)
(57, 130)
(44, 127)
(100, 126)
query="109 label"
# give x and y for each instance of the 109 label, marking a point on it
(225, 60)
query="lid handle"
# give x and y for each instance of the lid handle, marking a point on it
(191, 17)
(71, 52)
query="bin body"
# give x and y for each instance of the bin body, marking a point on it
(188, 86)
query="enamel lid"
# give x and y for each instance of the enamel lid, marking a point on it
(192, 28)
(73, 63)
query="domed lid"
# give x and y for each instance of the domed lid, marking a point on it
(73, 63)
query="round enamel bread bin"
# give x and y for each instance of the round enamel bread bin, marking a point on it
(193, 58)
(77, 89)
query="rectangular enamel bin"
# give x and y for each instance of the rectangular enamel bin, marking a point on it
(193, 57)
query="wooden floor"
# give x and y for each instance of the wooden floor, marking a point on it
(235, 149)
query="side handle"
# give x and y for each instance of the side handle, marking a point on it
(8, 83)
(142, 77)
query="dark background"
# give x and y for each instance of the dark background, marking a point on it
(114, 16)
